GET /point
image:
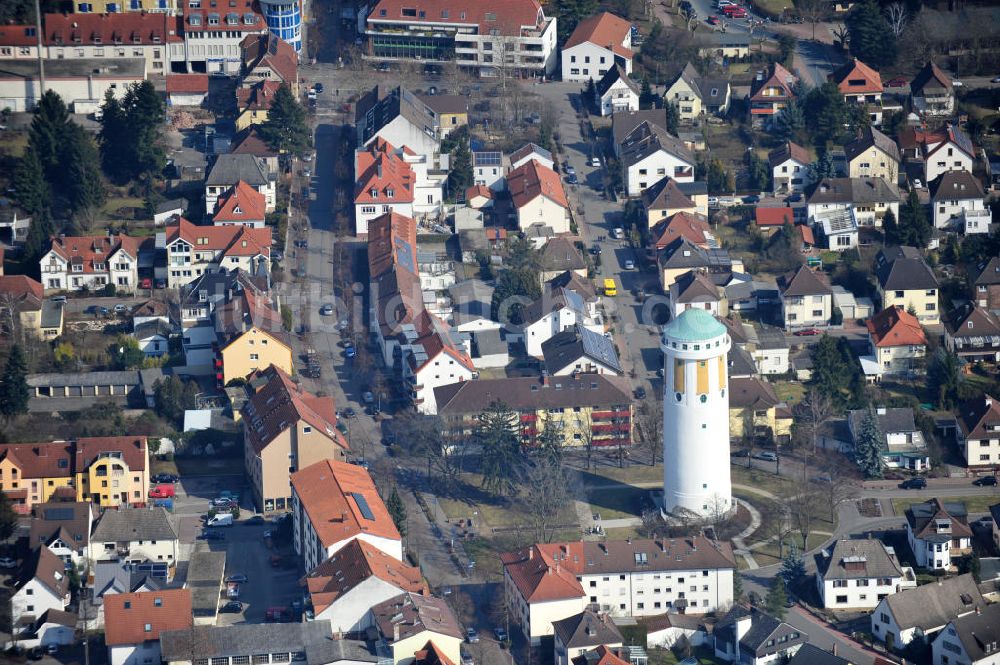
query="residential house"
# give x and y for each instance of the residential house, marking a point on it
(257, 346)
(973, 334)
(858, 574)
(249, 142)
(694, 95)
(153, 337)
(22, 301)
(932, 92)
(137, 537)
(111, 576)
(768, 344)
(751, 637)
(873, 155)
(941, 150)
(212, 40)
(903, 442)
(958, 203)
(529, 152)
(489, 170)
(923, 611)
(384, 182)
(53, 628)
(897, 341)
(978, 432)
(552, 313)
(253, 103)
(267, 57)
(648, 154)
(395, 295)
(986, 285)
(586, 408)
(603, 655)
(904, 279)
(432, 355)
(242, 205)
(111, 471)
(616, 92)
(770, 92)
(810, 654)
(539, 197)
(692, 227)
(695, 289)
(861, 85)
(333, 503)
(806, 299)
(466, 35)
(398, 118)
(359, 575)
(663, 199)
(973, 638)
(187, 89)
(868, 199)
(406, 624)
(838, 227)
(195, 250)
(579, 350)
(789, 167)
(682, 255)
(597, 45)
(134, 621)
(229, 170)
(581, 633)
(72, 263)
(168, 210)
(769, 221)
(64, 528)
(546, 583)
(625, 123)
(286, 428)
(43, 585)
(452, 111)
(753, 403)
(489, 349)
(31, 473)
(558, 256)
(938, 533)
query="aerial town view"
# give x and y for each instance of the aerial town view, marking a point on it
(512, 332)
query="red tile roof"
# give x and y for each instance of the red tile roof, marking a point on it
(430, 654)
(40, 460)
(435, 337)
(133, 450)
(507, 16)
(780, 78)
(196, 19)
(88, 250)
(327, 492)
(688, 225)
(539, 577)
(18, 35)
(281, 403)
(134, 618)
(230, 240)
(807, 235)
(478, 190)
(381, 169)
(605, 656)
(773, 216)
(26, 292)
(392, 238)
(534, 179)
(894, 326)
(196, 83)
(353, 564)
(124, 28)
(242, 203)
(857, 78)
(604, 29)
(270, 51)
(257, 97)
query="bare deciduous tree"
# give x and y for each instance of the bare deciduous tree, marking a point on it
(896, 17)
(812, 11)
(650, 424)
(803, 503)
(817, 410)
(544, 492)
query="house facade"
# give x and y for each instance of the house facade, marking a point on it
(905, 280)
(861, 85)
(806, 299)
(789, 167)
(973, 333)
(134, 621)
(597, 44)
(958, 203)
(932, 92)
(42, 586)
(897, 341)
(938, 533)
(858, 574)
(979, 433)
(649, 154)
(873, 155)
(925, 610)
(770, 92)
(539, 197)
(615, 92)
(973, 638)
(74, 263)
(195, 250)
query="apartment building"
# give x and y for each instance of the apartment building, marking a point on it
(229, 170)
(945, 149)
(195, 250)
(979, 432)
(137, 537)
(806, 298)
(649, 154)
(73, 263)
(905, 280)
(213, 36)
(597, 44)
(111, 471)
(113, 36)
(958, 203)
(432, 355)
(858, 574)
(867, 199)
(973, 333)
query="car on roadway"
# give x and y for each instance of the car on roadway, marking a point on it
(348, 412)
(572, 179)
(471, 635)
(986, 481)
(595, 249)
(618, 233)
(326, 310)
(212, 534)
(500, 633)
(466, 658)
(97, 310)
(917, 183)
(995, 79)
(752, 199)
(595, 161)
(743, 452)
(165, 478)
(766, 456)
(917, 483)
(318, 87)
(239, 578)
(640, 393)
(223, 502)
(232, 607)
(629, 264)
(301, 243)
(568, 169)
(808, 332)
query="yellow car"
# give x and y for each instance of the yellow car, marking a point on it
(610, 288)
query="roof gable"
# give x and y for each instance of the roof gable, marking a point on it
(857, 78)
(134, 618)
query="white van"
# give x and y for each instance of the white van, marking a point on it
(221, 519)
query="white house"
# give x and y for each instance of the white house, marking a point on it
(938, 533)
(195, 250)
(649, 153)
(133, 623)
(229, 170)
(694, 289)
(53, 628)
(43, 587)
(958, 203)
(858, 574)
(597, 44)
(751, 637)
(942, 150)
(973, 638)
(383, 182)
(539, 197)
(904, 446)
(529, 152)
(838, 227)
(64, 528)
(153, 337)
(432, 356)
(359, 575)
(332, 504)
(789, 167)
(932, 91)
(924, 610)
(490, 169)
(212, 38)
(554, 312)
(73, 263)
(867, 198)
(616, 92)
(399, 118)
(135, 536)
(806, 299)
(581, 633)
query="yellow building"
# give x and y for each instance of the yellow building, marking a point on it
(752, 400)
(254, 350)
(112, 471)
(873, 155)
(36, 316)
(31, 472)
(253, 103)
(905, 280)
(452, 110)
(685, 94)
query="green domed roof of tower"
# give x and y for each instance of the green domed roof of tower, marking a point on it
(694, 325)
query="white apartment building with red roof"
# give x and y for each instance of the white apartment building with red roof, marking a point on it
(539, 197)
(597, 45)
(390, 179)
(433, 356)
(73, 263)
(193, 250)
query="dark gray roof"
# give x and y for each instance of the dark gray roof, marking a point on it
(770, 337)
(611, 77)
(905, 274)
(148, 329)
(810, 654)
(172, 204)
(933, 605)
(694, 286)
(70, 521)
(570, 346)
(52, 314)
(693, 188)
(206, 568)
(398, 102)
(665, 194)
(571, 281)
(708, 86)
(587, 629)
(122, 378)
(446, 103)
(804, 282)
(690, 76)
(122, 577)
(872, 137)
(922, 519)
(682, 253)
(741, 363)
(560, 254)
(247, 639)
(979, 632)
(624, 122)
(647, 139)
(853, 190)
(956, 185)
(893, 420)
(988, 273)
(229, 168)
(488, 343)
(930, 76)
(763, 629)
(552, 301)
(135, 524)
(858, 559)
(528, 393)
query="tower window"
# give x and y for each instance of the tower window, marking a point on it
(703, 398)
(678, 396)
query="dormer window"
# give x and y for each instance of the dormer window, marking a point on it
(213, 19)
(374, 194)
(195, 19)
(389, 193)
(232, 19)
(249, 18)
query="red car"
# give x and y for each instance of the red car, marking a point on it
(712, 20)
(162, 492)
(732, 11)
(808, 332)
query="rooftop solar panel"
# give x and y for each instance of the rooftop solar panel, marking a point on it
(363, 506)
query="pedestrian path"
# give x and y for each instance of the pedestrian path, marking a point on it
(740, 546)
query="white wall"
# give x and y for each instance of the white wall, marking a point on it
(350, 611)
(401, 132)
(35, 598)
(946, 158)
(957, 654)
(858, 596)
(656, 166)
(547, 327)
(443, 370)
(944, 209)
(652, 593)
(619, 97)
(790, 175)
(147, 653)
(21, 95)
(154, 550)
(543, 210)
(588, 61)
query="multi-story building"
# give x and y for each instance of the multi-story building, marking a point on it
(195, 250)
(64, 528)
(137, 537)
(958, 203)
(31, 473)
(266, 57)
(986, 285)
(213, 35)
(539, 197)
(395, 295)
(770, 92)
(973, 638)
(432, 356)
(597, 44)
(806, 299)
(904, 279)
(309, 641)
(938, 533)
(555, 311)
(649, 154)
(134, 621)
(615, 92)
(383, 182)
(253, 103)
(587, 410)
(22, 301)
(897, 341)
(546, 583)
(941, 150)
(903, 445)
(979, 432)
(516, 38)
(973, 333)
(665, 198)
(924, 611)
(167, 7)
(229, 170)
(932, 92)
(867, 199)
(73, 263)
(114, 36)
(682, 255)
(332, 504)
(858, 574)
(861, 85)
(242, 205)
(42, 585)
(284, 20)
(789, 167)
(285, 429)
(873, 155)
(254, 349)
(413, 628)
(111, 471)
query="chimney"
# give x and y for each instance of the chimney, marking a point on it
(978, 611)
(531, 553)
(545, 377)
(989, 400)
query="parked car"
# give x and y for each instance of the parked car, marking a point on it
(223, 503)
(740, 453)
(318, 87)
(917, 483)
(326, 310)
(162, 492)
(471, 635)
(766, 456)
(211, 534)
(618, 233)
(640, 393)
(97, 310)
(986, 481)
(808, 332)
(569, 170)
(500, 633)
(572, 179)
(350, 352)
(629, 264)
(239, 578)
(595, 161)
(232, 607)
(165, 478)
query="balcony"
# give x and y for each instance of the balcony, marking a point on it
(607, 415)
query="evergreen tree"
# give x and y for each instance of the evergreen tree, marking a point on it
(112, 138)
(943, 379)
(8, 518)
(822, 167)
(125, 353)
(914, 229)
(570, 13)
(869, 35)
(827, 112)
(397, 511)
(759, 171)
(14, 384)
(550, 445)
(285, 129)
(737, 586)
(520, 283)
(776, 599)
(891, 228)
(790, 121)
(84, 190)
(647, 98)
(793, 568)
(673, 118)
(32, 190)
(37, 241)
(868, 446)
(496, 434)
(47, 133)
(144, 108)
(460, 173)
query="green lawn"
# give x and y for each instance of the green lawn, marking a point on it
(618, 503)
(635, 473)
(116, 202)
(665, 657)
(768, 554)
(775, 6)
(792, 393)
(756, 478)
(979, 503)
